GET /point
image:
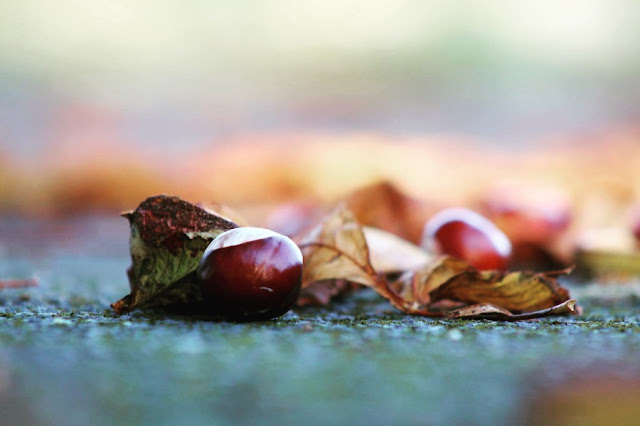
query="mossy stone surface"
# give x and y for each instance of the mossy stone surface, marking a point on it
(66, 358)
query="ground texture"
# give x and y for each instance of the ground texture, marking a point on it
(66, 358)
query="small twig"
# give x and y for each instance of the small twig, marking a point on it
(18, 283)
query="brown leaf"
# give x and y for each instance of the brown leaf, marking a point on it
(168, 238)
(492, 312)
(494, 294)
(389, 253)
(414, 287)
(515, 291)
(384, 206)
(337, 249)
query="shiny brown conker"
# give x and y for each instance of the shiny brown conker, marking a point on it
(250, 274)
(467, 235)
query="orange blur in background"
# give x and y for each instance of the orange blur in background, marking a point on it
(100, 108)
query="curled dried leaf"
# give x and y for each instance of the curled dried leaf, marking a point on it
(515, 291)
(337, 249)
(453, 279)
(492, 312)
(414, 287)
(390, 253)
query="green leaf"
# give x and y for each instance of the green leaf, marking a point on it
(168, 238)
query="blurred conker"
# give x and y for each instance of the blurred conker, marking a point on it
(467, 235)
(250, 274)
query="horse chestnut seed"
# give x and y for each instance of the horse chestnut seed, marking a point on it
(251, 274)
(469, 236)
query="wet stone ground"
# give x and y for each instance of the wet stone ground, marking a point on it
(66, 358)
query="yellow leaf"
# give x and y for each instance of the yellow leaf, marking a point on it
(414, 286)
(515, 291)
(337, 249)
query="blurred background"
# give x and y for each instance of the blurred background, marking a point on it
(103, 103)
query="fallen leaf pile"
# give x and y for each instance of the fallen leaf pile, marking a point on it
(337, 249)
(169, 236)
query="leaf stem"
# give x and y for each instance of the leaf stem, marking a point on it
(379, 283)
